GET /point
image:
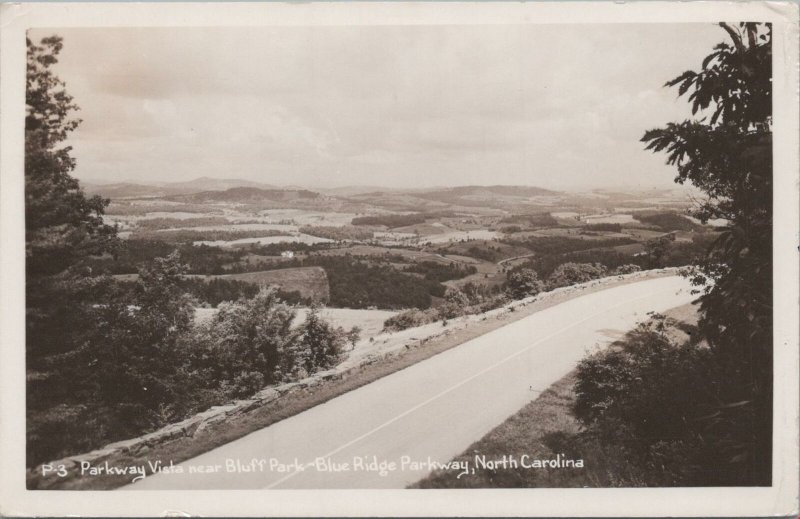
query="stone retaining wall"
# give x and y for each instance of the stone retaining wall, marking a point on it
(70, 466)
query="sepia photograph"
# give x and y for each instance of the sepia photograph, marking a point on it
(405, 256)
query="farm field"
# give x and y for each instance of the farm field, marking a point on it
(393, 250)
(369, 321)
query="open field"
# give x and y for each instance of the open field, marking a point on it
(369, 321)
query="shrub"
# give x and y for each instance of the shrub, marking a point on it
(455, 302)
(320, 343)
(247, 383)
(252, 336)
(574, 273)
(627, 269)
(523, 283)
(650, 395)
(408, 319)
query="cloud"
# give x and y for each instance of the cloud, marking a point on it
(436, 105)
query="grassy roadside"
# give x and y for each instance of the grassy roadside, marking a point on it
(542, 430)
(545, 429)
(184, 448)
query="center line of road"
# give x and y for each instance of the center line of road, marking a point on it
(465, 381)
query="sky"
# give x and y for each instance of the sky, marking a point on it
(554, 106)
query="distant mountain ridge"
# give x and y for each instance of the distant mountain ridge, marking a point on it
(215, 184)
(211, 189)
(493, 190)
(246, 194)
(128, 190)
(162, 189)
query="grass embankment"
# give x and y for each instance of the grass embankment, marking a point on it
(300, 400)
(542, 430)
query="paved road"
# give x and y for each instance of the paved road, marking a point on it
(432, 410)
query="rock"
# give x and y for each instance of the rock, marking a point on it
(190, 426)
(94, 456)
(266, 395)
(124, 445)
(143, 449)
(243, 406)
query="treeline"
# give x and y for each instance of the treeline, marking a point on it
(658, 253)
(531, 220)
(391, 220)
(153, 224)
(131, 208)
(435, 271)
(548, 245)
(610, 259)
(668, 221)
(129, 255)
(605, 227)
(193, 235)
(341, 233)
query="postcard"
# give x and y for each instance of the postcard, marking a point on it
(399, 259)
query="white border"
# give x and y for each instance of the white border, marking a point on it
(779, 500)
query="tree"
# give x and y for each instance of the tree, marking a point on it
(727, 153)
(131, 354)
(523, 283)
(246, 337)
(354, 335)
(455, 301)
(657, 249)
(62, 224)
(320, 343)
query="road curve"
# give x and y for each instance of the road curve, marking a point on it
(428, 412)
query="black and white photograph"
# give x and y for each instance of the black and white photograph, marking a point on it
(411, 256)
